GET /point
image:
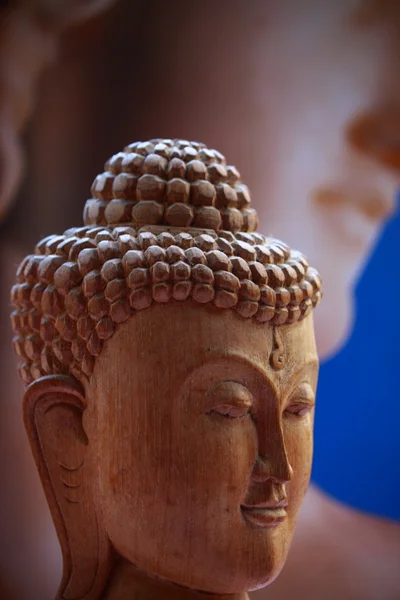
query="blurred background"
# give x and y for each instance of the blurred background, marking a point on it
(365, 443)
(304, 98)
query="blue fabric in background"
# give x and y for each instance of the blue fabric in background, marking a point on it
(357, 428)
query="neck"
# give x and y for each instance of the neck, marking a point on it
(129, 583)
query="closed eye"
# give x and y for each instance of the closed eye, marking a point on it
(230, 399)
(298, 409)
(301, 402)
(231, 411)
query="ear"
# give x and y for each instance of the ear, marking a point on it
(53, 411)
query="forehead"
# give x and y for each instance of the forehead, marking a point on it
(169, 341)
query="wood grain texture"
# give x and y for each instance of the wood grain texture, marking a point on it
(172, 375)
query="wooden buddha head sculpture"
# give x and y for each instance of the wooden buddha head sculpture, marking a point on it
(171, 367)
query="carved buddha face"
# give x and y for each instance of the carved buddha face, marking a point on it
(200, 438)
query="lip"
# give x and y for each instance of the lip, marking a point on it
(264, 517)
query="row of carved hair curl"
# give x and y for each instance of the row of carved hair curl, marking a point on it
(75, 290)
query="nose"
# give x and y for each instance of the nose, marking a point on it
(272, 461)
(280, 473)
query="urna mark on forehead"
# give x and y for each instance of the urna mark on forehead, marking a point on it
(169, 222)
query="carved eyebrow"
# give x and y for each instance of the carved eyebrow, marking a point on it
(241, 361)
(305, 391)
(231, 392)
(219, 369)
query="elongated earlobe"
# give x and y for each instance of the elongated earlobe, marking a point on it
(53, 409)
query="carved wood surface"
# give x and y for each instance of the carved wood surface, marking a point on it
(171, 375)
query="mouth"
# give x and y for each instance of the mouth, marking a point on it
(264, 516)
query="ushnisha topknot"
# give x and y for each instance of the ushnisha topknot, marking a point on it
(170, 182)
(169, 222)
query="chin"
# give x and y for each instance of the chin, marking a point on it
(266, 577)
(248, 581)
(252, 565)
(267, 563)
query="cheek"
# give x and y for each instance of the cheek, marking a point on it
(187, 462)
(299, 446)
(174, 486)
(219, 453)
